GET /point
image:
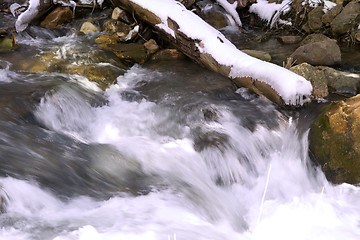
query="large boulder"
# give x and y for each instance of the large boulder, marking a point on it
(334, 140)
(348, 19)
(326, 53)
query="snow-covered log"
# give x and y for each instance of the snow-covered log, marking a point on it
(204, 44)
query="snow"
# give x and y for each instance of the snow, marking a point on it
(231, 9)
(328, 5)
(26, 17)
(270, 12)
(293, 88)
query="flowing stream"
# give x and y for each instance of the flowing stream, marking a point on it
(170, 151)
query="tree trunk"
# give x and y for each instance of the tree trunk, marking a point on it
(194, 48)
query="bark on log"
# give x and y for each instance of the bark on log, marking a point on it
(193, 48)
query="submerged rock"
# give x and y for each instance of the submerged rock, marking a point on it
(335, 141)
(57, 17)
(325, 53)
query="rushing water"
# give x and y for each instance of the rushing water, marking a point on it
(169, 152)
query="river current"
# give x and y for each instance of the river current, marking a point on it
(171, 151)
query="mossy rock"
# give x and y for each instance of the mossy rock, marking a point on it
(335, 142)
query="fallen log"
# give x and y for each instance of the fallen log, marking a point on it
(207, 46)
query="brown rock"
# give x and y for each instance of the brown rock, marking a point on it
(151, 46)
(88, 27)
(335, 142)
(128, 52)
(318, 53)
(315, 76)
(106, 39)
(167, 54)
(314, 18)
(258, 54)
(57, 17)
(315, 37)
(331, 14)
(120, 15)
(289, 39)
(347, 19)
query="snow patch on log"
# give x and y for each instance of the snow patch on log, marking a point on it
(292, 88)
(231, 9)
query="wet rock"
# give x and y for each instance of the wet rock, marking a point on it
(258, 54)
(129, 52)
(88, 27)
(329, 16)
(106, 39)
(289, 39)
(318, 53)
(315, 76)
(102, 75)
(57, 17)
(167, 54)
(347, 19)
(340, 82)
(113, 26)
(314, 18)
(335, 141)
(151, 46)
(7, 44)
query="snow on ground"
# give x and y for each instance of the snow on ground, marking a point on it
(293, 88)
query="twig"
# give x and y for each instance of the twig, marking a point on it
(264, 194)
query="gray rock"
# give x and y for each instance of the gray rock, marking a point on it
(315, 76)
(347, 19)
(341, 82)
(318, 53)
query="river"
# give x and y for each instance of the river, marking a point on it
(170, 151)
